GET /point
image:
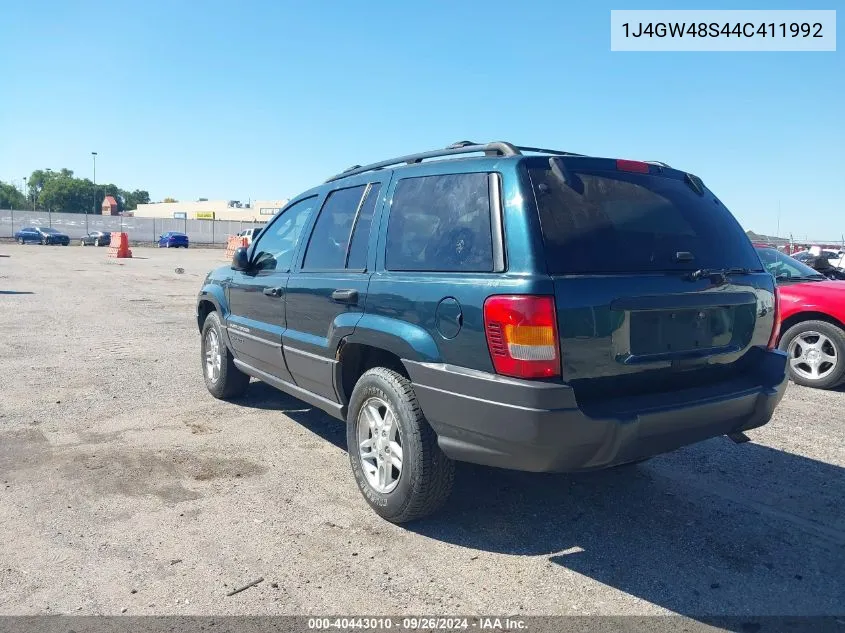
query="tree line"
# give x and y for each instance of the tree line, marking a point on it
(61, 192)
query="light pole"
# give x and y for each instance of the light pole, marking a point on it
(94, 156)
(50, 207)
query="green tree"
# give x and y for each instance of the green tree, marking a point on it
(10, 197)
(132, 199)
(60, 191)
(63, 193)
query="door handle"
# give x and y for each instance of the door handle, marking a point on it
(349, 296)
(273, 292)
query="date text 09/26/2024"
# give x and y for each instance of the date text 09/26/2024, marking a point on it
(417, 623)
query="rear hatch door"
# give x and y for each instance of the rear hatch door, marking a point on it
(657, 287)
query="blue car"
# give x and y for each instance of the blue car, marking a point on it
(172, 239)
(41, 235)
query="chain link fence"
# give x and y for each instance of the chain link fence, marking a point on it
(77, 225)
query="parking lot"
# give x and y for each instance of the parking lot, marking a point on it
(125, 486)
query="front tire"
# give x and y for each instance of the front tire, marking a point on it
(397, 464)
(816, 354)
(21, 241)
(222, 379)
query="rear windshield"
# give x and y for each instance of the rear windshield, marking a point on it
(621, 222)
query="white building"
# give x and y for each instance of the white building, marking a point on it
(258, 211)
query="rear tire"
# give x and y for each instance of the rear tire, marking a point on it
(222, 378)
(426, 476)
(805, 342)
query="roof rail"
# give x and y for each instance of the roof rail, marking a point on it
(540, 150)
(498, 148)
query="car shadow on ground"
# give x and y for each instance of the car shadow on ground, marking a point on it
(262, 396)
(16, 292)
(710, 530)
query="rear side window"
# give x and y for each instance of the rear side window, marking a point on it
(441, 224)
(602, 221)
(330, 237)
(361, 231)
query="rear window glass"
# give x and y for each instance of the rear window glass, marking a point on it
(440, 223)
(621, 222)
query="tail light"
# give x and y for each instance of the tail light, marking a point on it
(632, 165)
(522, 335)
(773, 339)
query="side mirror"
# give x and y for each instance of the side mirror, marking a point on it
(240, 260)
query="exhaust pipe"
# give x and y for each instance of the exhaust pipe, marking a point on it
(739, 438)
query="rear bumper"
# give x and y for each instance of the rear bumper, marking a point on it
(538, 426)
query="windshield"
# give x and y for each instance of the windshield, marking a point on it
(47, 229)
(606, 221)
(784, 267)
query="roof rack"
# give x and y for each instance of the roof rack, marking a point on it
(540, 150)
(496, 148)
(658, 163)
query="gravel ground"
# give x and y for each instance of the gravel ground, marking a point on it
(125, 486)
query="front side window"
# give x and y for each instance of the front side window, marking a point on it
(275, 247)
(784, 268)
(440, 224)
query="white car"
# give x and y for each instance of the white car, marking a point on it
(836, 258)
(249, 234)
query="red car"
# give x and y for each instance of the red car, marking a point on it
(812, 311)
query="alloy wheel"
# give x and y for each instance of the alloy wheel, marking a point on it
(812, 355)
(213, 356)
(379, 445)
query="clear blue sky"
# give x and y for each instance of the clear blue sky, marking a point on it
(263, 99)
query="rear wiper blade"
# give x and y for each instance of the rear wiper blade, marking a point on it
(715, 274)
